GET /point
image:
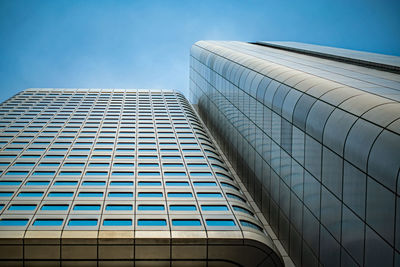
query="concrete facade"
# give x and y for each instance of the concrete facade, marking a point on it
(97, 177)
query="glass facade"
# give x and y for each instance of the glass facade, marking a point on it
(112, 176)
(316, 142)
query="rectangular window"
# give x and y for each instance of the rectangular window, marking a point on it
(182, 207)
(122, 174)
(10, 183)
(82, 222)
(149, 183)
(214, 207)
(148, 222)
(65, 173)
(54, 207)
(37, 183)
(119, 207)
(117, 222)
(13, 222)
(87, 207)
(149, 173)
(120, 194)
(65, 183)
(187, 222)
(151, 207)
(150, 194)
(205, 184)
(209, 195)
(30, 194)
(60, 194)
(48, 222)
(180, 194)
(96, 173)
(22, 207)
(94, 183)
(21, 173)
(46, 173)
(121, 183)
(90, 194)
(216, 222)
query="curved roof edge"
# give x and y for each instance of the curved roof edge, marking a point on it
(365, 59)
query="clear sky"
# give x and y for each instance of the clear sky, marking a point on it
(145, 44)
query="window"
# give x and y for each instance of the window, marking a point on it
(149, 183)
(22, 207)
(150, 194)
(171, 157)
(43, 173)
(141, 173)
(98, 164)
(37, 183)
(60, 194)
(177, 184)
(205, 184)
(17, 173)
(186, 222)
(180, 194)
(96, 173)
(251, 225)
(148, 165)
(131, 165)
(211, 194)
(13, 222)
(120, 194)
(65, 183)
(82, 222)
(216, 222)
(235, 197)
(148, 222)
(94, 183)
(90, 194)
(73, 164)
(122, 174)
(151, 207)
(10, 183)
(54, 207)
(49, 164)
(182, 207)
(64, 173)
(87, 207)
(119, 207)
(214, 207)
(24, 164)
(30, 194)
(101, 156)
(54, 156)
(174, 173)
(229, 186)
(121, 183)
(172, 165)
(202, 174)
(117, 222)
(48, 222)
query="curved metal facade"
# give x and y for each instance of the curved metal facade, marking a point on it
(103, 177)
(316, 142)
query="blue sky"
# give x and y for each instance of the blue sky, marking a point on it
(145, 44)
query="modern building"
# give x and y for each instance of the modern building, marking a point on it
(96, 177)
(314, 134)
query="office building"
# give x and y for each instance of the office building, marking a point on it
(314, 134)
(96, 177)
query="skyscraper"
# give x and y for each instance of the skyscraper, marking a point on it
(314, 134)
(96, 177)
